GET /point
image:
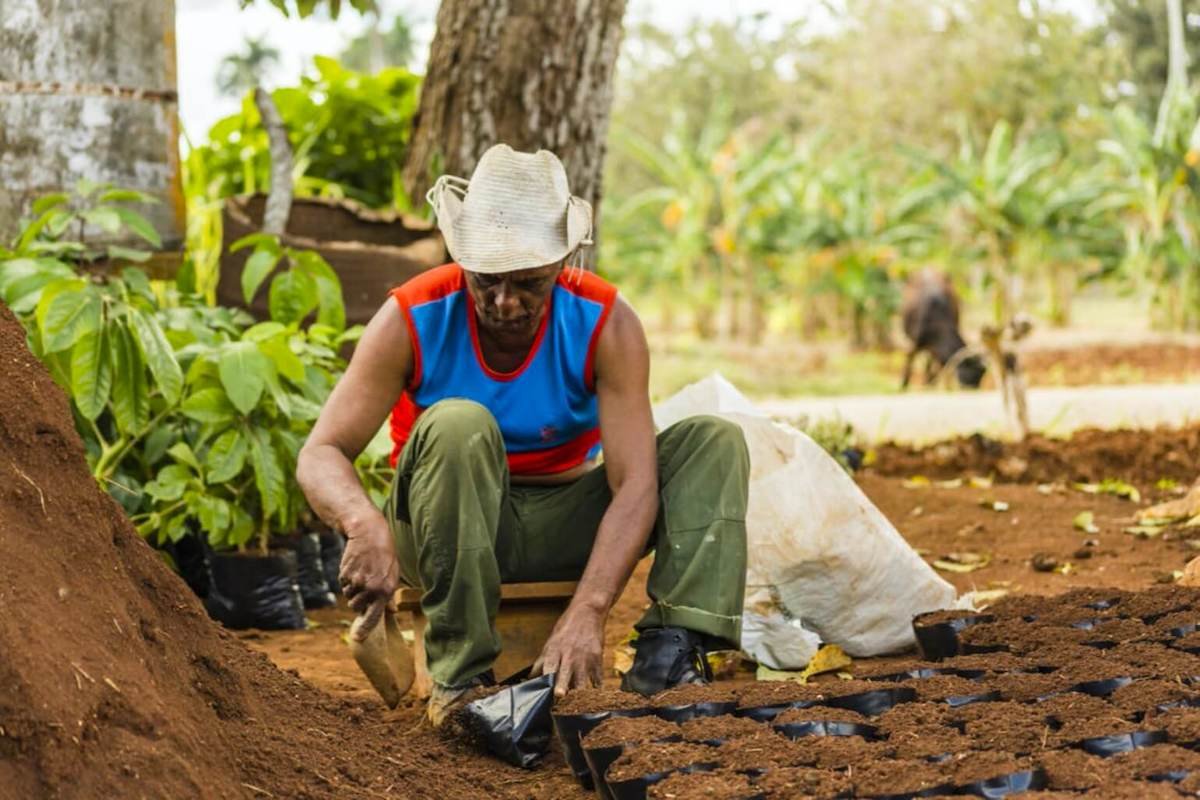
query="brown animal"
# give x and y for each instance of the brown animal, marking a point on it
(929, 306)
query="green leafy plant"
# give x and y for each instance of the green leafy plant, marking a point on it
(349, 132)
(191, 415)
(92, 317)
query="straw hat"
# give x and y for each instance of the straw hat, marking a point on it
(515, 213)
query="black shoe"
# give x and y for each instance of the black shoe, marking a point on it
(666, 657)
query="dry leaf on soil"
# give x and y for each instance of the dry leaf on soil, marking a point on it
(1086, 522)
(830, 658)
(1111, 486)
(963, 562)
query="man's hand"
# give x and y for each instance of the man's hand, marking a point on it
(369, 574)
(575, 650)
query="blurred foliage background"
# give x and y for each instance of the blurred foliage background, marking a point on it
(770, 183)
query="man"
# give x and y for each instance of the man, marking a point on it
(504, 372)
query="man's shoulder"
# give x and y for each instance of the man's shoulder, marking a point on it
(430, 285)
(587, 285)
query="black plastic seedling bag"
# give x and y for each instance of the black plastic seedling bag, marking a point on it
(515, 721)
(255, 592)
(332, 548)
(310, 572)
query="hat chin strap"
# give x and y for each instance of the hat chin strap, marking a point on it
(446, 183)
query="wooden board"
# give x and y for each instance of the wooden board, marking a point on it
(409, 598)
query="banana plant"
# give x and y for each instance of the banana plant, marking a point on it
(1159, 183)
(999, 192)
(708, 221)
(862, 237)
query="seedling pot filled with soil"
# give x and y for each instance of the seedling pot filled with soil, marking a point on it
(580, 712)
(723, 784)
(937, 632)
(690, 702)
(613, 736)
(639, 768)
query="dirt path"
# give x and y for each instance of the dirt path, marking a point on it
(927, 416)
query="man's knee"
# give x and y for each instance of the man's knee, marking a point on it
(457, 425)
(715, 437)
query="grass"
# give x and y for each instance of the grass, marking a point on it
(773, 370)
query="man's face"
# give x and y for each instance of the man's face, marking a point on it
(510, 305)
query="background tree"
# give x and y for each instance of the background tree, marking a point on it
(914, 70)
(375, 48)
(534, 74)
(244, 70)
(1142, 31)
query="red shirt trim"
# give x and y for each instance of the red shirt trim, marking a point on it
(473, 325)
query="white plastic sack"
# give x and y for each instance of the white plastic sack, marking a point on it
(824, 564)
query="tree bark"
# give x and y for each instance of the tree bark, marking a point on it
(87, 91)
(533, 74)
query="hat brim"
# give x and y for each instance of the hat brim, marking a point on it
(480, 247)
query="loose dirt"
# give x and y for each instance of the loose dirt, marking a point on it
(1141, 457)
(114, 682)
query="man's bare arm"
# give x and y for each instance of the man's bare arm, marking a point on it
(356, 408)
(575, 649)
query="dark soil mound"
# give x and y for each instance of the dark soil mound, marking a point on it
(114, 682)
(1140, 457)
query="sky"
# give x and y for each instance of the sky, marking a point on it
(208, 30)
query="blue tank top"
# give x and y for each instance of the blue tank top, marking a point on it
(546, 408)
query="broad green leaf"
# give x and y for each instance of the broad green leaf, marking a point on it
(268, 472)
(331, 310)
(258, 266)
(159, 355)
(282, 398)
(130, 395)
(139, 225)
(70, 315)
(157, 442)
(91, 374)
(182, 452)
(138, 282)
(293, 296)
(175, 529)
(126, 196)
(22, 277)
(243, 367)
(52, 221)
(209, 406)
(257, 240)
(118, 253)
(263, 331)
(170, 483)
(215, 514)
(226, 457)
(241, 530)
(105, 218)
(286, 362)
(49, 201)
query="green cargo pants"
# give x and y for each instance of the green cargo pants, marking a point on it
(461, 529)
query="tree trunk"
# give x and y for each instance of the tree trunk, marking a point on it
(534, 74)
(87, 91)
